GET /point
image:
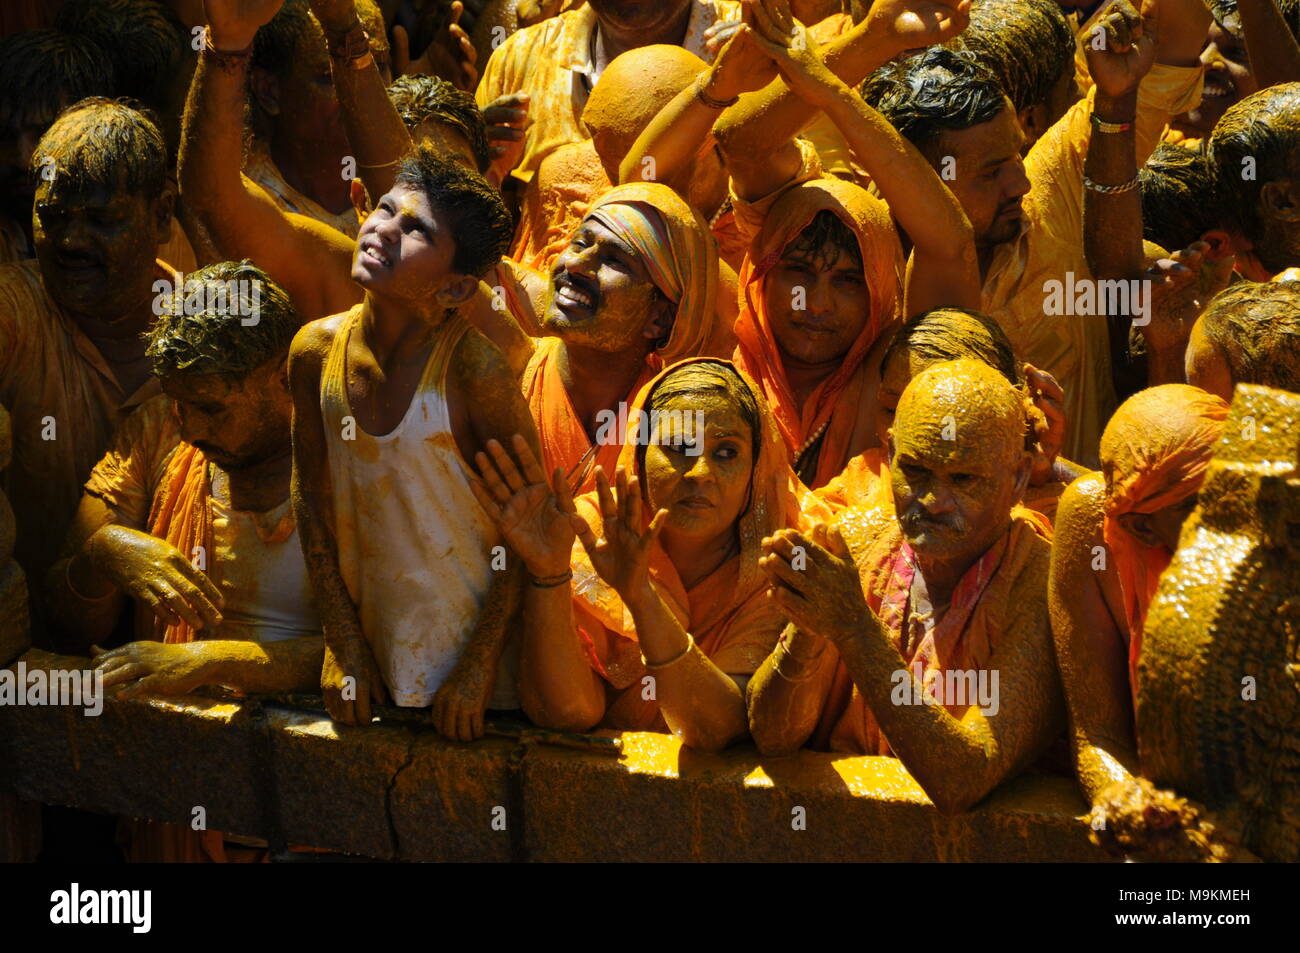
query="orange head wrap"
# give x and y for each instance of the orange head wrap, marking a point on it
(1154, 454)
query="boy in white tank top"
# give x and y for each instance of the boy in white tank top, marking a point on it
(390, 400)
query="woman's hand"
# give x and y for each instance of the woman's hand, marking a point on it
(622, 556)
(536, 519)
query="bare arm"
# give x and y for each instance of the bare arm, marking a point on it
(788, 691)
(312, 261)
(1270, 44)
(155, 668)
(376, 133)
(1090, 645)
(346, 653)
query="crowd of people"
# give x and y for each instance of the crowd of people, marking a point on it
(750, 370)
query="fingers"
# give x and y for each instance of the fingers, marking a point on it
(152, 684)
(780, 570)
(563, 495)
(531, 467)
(159, 607)
(605, 499)
(505, 466)
(339, 708)
(506, 110)
(656, 527)
(492, 476)
(767, 32)
(779, 12)
(624, 500)
(401, 50)
(465, 717)
(125, 673)
(206, 586)
(485, 500)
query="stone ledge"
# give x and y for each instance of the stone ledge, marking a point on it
(400, 792)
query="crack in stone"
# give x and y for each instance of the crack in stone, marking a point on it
(394, 839)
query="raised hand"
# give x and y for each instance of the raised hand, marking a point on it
(506, 117)
(451, 55)
(535, 519)
(742, 66)
(535, 11)
(234, 23)
(915, 24)
(154, 572)
(1181, 286)
(1122, 47)
(350, 680)
(816, 583)
(1049, 397)
(622, 556)
(792, 49)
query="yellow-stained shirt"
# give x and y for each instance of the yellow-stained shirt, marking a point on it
(1074, 348)
(65, 405)
(552, 62)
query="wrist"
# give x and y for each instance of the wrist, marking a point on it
(707, 92)
(641, 599)
(1121, 108)
(229, 42)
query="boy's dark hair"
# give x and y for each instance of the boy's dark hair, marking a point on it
(1259, 135)
(949, 334)
(1256, 326)
(1026, 44)
(823, 238)
(479, 220)
(420, 98)
(935, 92)
(278, 41)
(1180, 198)
(215, 333)
(145, 40)
(104, 143)
(42, 72)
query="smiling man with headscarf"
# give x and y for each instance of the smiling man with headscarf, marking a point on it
(634, 292)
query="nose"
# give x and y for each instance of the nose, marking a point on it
(192, 427)
(579, 260)
(935, 499)
(700, 468)
(820, 301)
(1017, 184)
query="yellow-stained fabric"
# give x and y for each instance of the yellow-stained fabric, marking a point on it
(65, 404)
(1074, 348)
(728, 614)
(261, 168)
(552, 62)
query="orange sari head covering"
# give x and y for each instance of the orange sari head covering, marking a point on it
(1154, 454)
(680, 254)
(728, 614)
(757, 352)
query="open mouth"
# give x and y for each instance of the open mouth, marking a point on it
(1218, 86)
(573, 293)
(372, 252)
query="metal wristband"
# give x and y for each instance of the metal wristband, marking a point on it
(1128, 186)
(1102, 125)
(655, 666)
(708, 100)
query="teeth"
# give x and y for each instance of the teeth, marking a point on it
(572, 294)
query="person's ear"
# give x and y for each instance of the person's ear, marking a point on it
(1138, 525)
(1033, 120)
(457, 291)
(360, 200)
(662, 312)
(1281, 200)
(161, 214)
(266, 90)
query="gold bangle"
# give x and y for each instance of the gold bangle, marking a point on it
(225, 57)
(786, 654)
(708, 100)
(655, 666)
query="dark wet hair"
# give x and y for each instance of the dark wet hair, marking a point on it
(419, 98)
(705, 377)
(277, 43)
(105, 144)
(1027, 44)
(948, 334)
(145, 40)
(216, 340)
(42, 72)
(1263, 128)
(823, 239)
(1256, 326)
(479, 220)
(938, 91)
(1180, 197)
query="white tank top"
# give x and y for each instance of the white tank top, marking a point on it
(415, 547)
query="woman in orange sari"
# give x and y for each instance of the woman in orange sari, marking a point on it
(658, 616)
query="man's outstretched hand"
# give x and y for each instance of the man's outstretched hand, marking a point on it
(234, 23)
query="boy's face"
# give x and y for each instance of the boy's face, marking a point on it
(405, 247)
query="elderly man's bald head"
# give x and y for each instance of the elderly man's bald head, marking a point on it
(958, 459)
(631, 92)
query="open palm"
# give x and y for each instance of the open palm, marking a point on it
(622, 557)
(913, 24)
(535, 519)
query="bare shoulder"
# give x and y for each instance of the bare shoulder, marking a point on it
(478, 367)
(1080, 512)
(311, 345)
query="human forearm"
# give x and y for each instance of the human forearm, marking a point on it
(1183, 26)
(1272, 48)
(1112, 231)
(211, 150)
(702, 704)
(785, 695)
(557, 687)
(671, 141)
(291, 665)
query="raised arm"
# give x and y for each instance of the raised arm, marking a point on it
(1270, 44)
(376, 133)
(312, 261)
(944, 269)
(776, 113)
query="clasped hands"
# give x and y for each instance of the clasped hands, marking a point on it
(815, 581)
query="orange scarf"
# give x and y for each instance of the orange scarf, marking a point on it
(1155, 467)
(964, 639)
(181, 514)
(728, 614)
(834, 404)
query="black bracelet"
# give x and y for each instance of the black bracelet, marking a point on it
(550, 582)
